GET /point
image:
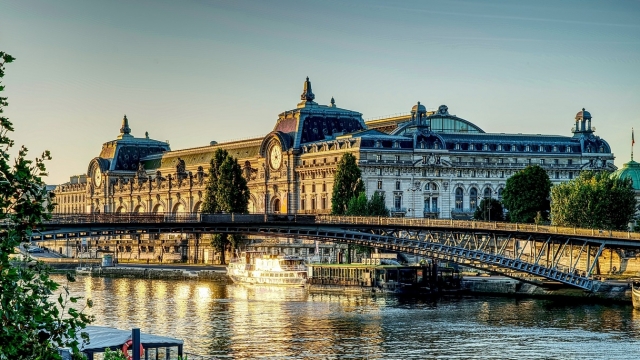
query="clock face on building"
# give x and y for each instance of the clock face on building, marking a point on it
(275, 156)
(97, 177)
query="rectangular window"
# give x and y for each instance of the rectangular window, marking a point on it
(397, 172)
(379, 185)
(541, 161)
(557, 174)
(473, 173)
(459, 159)
(313, 204)
(437, 172)
(501, 174)
(314, 161)
(486, 160)
(324, 203)
(570, 174)
(515, 160)
(488, 174)
(569, 162)
(397, 185)
(473, 159)
(556, 161)
(324, 187)
(302, 204)
(501, 161)
(313, 188)
(424, 159)
(397, 158)
(424, 172)
(529, 161)
(397, 202)
(459, 173)
(380, 171)
(379, 157)
(302, 189)
(434, 204)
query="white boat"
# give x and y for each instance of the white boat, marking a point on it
(635, 293)
(258, 268)
(83, 270)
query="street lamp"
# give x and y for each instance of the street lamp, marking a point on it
(413, 189)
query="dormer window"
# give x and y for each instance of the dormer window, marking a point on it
(378, 144)
(528, 148)
(499, 147)
(457, 146)
(555, 148)
(485, 147)
(396, 144)
(541, 148)
(568, 149)
(436, 145)
(421, 144)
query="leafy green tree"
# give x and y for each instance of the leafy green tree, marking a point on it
(594, 201)
(210, 203)
(377, 206)
(489, 210)
(347, 184)
(232, 194)
(527, 193)
(358, 205)
(32, 325)
(226, 191)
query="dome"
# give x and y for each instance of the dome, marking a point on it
(629, 170)
(584, 114)
(419, 108)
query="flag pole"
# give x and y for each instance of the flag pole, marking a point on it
(633, 141)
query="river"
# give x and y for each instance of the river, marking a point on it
(237, 322)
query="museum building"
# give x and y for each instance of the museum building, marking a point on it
(427, 163)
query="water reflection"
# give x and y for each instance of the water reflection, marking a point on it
(254, 322)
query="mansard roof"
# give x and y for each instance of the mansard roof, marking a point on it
(311, 122)
(124, 153)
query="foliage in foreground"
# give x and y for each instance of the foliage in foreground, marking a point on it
(594, 201)
(526, 194)
(33, 324)
(361, 206)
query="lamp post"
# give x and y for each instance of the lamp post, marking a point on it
(415, 187)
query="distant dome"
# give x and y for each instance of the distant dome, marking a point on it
(584, 114)
(629, 170)
(419, 108)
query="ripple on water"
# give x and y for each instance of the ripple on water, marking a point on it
(278, 323)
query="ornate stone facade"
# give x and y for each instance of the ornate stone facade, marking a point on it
(427, 163)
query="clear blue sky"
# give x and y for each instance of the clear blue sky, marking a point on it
(195, 71)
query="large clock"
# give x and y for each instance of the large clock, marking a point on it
(275, 156)
(97, 177)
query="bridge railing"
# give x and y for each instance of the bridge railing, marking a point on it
(479, 225)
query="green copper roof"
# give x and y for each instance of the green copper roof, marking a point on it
(630, 170)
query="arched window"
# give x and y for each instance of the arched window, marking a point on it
(487, 193)
(276, 206)
(500, 193)
(459, 193)
(434, 187)
(473, 198)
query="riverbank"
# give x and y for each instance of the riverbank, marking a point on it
(608, 291)
(154, 273)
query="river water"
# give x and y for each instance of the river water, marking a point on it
(238, 322)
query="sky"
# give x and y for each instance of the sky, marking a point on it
(195, 71)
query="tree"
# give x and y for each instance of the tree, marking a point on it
(594, 201)
(489, 210)
(527, 193)
(33, 325)
(347, 184)
(377, 206)
(210, 203)
(226, 191)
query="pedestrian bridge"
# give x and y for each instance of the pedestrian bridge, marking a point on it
(567, 255)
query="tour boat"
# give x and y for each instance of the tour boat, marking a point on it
(635, 293)
(258, 268)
